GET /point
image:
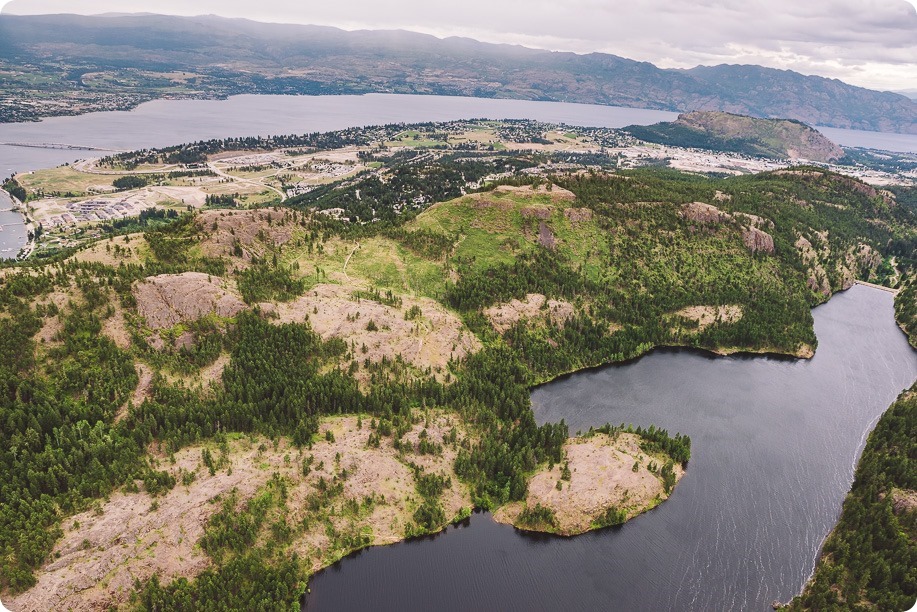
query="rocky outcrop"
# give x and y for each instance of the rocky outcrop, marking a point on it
(603, 473)
(249, 232)
(535, 307)
(830, 271)
(904, 501)
(702, 213)
(169, 299)
(755, 239)
(817, 280)
(428, 340)
(758, 241)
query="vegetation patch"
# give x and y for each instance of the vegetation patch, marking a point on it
(418, 332)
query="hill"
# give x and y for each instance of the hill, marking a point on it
(64, 64)
(775, 138)
(220, 403)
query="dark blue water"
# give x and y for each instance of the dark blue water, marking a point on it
(774, 447)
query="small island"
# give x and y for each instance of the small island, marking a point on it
(608, 476)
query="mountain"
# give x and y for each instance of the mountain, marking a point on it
(775, 138)
(60, 64)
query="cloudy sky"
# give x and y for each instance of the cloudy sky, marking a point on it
(872, 43)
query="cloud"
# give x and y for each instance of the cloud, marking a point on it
(866, 42)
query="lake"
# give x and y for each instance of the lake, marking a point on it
(168, 122)
(774, 445)
(162, 123)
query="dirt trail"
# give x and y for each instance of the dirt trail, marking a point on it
(347, 261)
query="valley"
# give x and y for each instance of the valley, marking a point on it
(289, 319)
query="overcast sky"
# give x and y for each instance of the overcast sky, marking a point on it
(872, 43)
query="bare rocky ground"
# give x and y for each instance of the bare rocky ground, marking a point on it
(169, 299)
(103, 551)
(254, 231)
(134, 536)
(847, 267)
(577, 216)
(705, 316)
(141, 391)
(429, 341)
(115, 327)
(51, 326)
(602, 476)
(127, 249)
(754, 238)
(536, 307)
(904, 501)
(818, 277)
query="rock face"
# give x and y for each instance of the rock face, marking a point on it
(755, 239)
(705, 214)
(758, 241)
(169, 299)
(831, 271)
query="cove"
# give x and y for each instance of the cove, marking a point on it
(774, 445)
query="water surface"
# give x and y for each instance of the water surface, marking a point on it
(13, 234)
(168, 122)
(162, 123)
(885, 141)
(775, 442)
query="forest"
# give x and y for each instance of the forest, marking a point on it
(619, 251)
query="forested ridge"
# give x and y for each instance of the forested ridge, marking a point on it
(615, 254)
(648, 260)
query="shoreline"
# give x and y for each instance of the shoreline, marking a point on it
(26, 249)
(805, 353)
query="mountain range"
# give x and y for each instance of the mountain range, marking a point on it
(146, 56)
